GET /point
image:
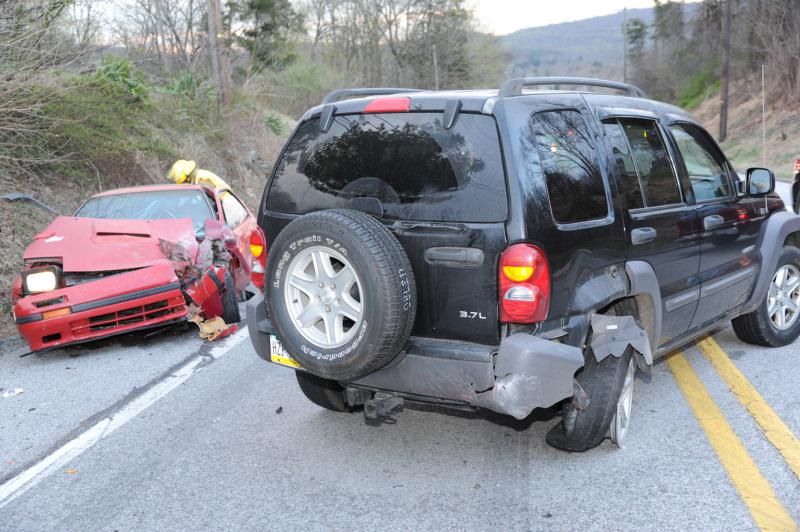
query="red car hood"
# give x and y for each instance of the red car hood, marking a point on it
(96, 245)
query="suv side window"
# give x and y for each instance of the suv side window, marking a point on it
(653, 164)
(234, 212)
(567, 154)
(704, 165)
(630, 188)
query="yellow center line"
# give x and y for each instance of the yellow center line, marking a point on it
(774, 428)
(764, 506)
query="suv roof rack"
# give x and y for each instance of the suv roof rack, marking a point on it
(513, 87)
(342, 94)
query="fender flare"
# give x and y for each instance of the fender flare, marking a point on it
(599, 291)
(774, 233)
(591, 294)
(644, 286)
(612, 335)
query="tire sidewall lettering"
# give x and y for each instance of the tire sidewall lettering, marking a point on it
(312, 351)
(293, 249)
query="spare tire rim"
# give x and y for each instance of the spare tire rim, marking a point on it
(324, 297)
(783, 300)
(622, 416)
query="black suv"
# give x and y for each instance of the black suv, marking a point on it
(512, 250)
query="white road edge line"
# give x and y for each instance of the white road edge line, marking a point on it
(27, 479)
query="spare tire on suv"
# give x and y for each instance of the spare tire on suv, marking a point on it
(340, 293)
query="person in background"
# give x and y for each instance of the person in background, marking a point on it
(188, 172)
(796, 187)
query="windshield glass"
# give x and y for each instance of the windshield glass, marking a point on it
(150, 205)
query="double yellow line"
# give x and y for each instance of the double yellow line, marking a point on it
(764, 506)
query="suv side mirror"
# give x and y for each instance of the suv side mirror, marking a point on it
(760, 181)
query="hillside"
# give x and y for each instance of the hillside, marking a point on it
(744, 145)
(590, 47)
(594, 47)
(106, 138)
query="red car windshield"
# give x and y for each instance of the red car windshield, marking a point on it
(150, 205)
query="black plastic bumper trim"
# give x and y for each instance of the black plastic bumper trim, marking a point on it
(125, 297)
(28, 319)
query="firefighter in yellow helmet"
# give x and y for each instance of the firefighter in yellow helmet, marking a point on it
(188, 172)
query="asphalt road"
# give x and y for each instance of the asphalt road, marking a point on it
(167, 432)
(171, 433)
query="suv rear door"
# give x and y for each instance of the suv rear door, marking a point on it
(442, 191)
(661, 226)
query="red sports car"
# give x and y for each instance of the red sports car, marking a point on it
(136, 258)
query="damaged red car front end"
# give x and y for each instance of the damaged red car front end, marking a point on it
(113, 304)
(90, 278)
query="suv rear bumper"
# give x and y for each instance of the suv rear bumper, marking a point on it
(522, 373)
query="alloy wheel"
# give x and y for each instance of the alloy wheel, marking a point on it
(324, 297)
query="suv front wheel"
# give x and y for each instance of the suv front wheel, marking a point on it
(776, 322)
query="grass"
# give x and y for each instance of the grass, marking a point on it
(19, 221)
(700, 86)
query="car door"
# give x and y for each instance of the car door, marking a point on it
(729, 224)
(660, 224)
(242, 223)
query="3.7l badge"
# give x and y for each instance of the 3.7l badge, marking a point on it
(471, 315)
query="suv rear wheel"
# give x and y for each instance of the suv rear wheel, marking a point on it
(609, 385)
(776, 322)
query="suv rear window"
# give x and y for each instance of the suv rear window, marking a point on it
(416, 168)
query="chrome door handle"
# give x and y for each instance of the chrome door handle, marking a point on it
(643, 235)
(712, 222)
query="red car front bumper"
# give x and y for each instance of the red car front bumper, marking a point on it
(112, 305)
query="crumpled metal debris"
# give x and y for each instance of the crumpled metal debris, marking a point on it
(174, 251)
(611, 336)
(217, 250)
(211, 329)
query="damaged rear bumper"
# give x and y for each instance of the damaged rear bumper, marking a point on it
(523, 373)
(113, 305)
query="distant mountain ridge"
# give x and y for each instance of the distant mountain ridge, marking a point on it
(589, 47)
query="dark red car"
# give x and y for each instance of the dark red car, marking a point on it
(136, 258)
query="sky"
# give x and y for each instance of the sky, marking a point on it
(506, 16)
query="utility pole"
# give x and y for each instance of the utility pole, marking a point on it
(764, 110)
(435, 69)
(726, 70)
(220, 61)
(625, 46)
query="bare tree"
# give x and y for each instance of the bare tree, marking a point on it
(391, 42)
(31, 48)
(84, 22)
(726, 71)
(220, 62)
(169, 30)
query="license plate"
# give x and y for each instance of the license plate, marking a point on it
(279, 355)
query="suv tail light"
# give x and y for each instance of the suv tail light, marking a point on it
(258, 248)
(524, 284)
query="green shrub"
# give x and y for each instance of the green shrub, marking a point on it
(121, 73)
(98, 132)
(187, 84)
(274, 123)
